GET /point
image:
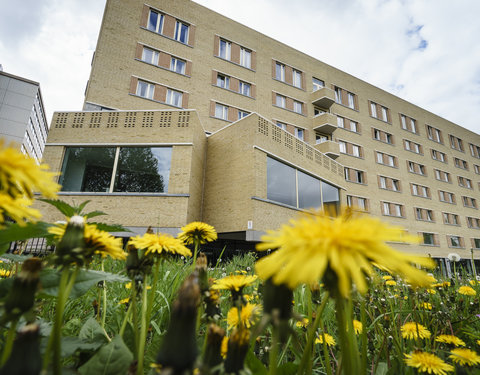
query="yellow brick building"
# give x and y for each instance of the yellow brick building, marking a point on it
(256, 131)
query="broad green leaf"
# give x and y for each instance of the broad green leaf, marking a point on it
(110, 227)
(15, 232)
(91, 331)
(71, 344)
(50, 280)
(112, 359)
(94, 214)
(62, 206)
(254, 364)
(81, 206)
(5, 286)
(287, 369)
(382, 369)
(15, 258)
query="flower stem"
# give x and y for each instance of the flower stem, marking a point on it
(143, 331)
(273, 354)
(104, 308)
(363, 319)
(9, 342)
(345, 332)
(125, 320)
(311, 336)
(328, 366)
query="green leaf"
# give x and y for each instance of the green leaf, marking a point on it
(5, 286)
(110, 227)
(382, 369)
(71, 344)
(112, 359)
(94, 214)
(15, 258)
(50, 280)
(62, 206)
(287, 369)
(91, 331)
(15, 232)
(254, 364)
(81, 206)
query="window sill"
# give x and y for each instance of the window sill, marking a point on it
(447, 202)
(162, 67)
(418, 174)
(348, 130)
(393, 191)
(289, 110)
(398, 217)
(414, 152)
(385, 122)
(221, 119)
(386, 165)
(155, 101)
(358, 183)
(428, 244)
(437, 142)
(456, 247)
(426, 221)
(234, 63)
(452, 225)
(232, 91)
(409, 131)
(167, 37)
(421, 196)
(353, 156)
(346, 106)
(387, 143)
(122, 194)
(288, 84)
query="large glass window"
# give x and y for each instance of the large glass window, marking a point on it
(225, 49)
(295, 188)
(155, 21)
(181, 32)
(150, 56)
(139, 169)
(245, 58)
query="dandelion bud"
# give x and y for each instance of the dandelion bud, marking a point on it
(277, 297)
(237, 350)
(27, 342)
(71, 247)
(212, 356)
(21, 296)
(201, 269)
(179, 348)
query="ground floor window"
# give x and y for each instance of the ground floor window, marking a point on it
(116, 169)
(293, 187)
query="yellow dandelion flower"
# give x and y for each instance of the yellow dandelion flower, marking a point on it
(473, 282)
(391, 283)
(478, 342)
(387, 277)
(234, 282)
(431, 291)
(160, 244)
(346, 246)
(18, 209)
(467, 290)
(124, 301)
(21, 176)
(96, 241)
(302, 323)
(197, 232)
(328, 339)
(450, 339)
(5, 273)
(248, 315)
(412, 330)
(426, 362)
(128, 285)
(357, 326)
(464, 357)
(427, 306)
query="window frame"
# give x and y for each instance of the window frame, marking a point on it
(178, 31)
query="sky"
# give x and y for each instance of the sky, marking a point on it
(424, 51)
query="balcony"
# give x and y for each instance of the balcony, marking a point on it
(326, 123)
(329, 148)
(323, 98)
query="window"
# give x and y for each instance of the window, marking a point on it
(297, 106)
(474, 150)
(340, 122)
(473, 222)
(357, 202)
(178, 65)
(317, 84)
(225, 49)
(351, 100)
(408, 124)
(465, 182)
(420, 191)
(223, 81)
(354, 126)
(440, 156)
(174, 98)
(150, 56)
(280, 101)
(299, 133)
(459, 163)
(416, 168)
(373, 109)
(343, 146)
(318, 111)
(281, 125)
(384, 114)
(476, 243)
(442, 175)
(389, 183)
(434, 134)
(450, 219)
(139, 169)
(423, 214)
(242, 114)
(297, 78)
(354, 175)
(455, 241)
(221, 111)
(476, 168)
(245, 58)
(456, 143)
(295, 188)
(469, 202)
(280, 72)
(155, 21)
(181, 32)
(446, 197)
(145, 89)
(429, 239)
(379, 112)
(346, 98)
(320, 138)
(412, 146)
(244, 88)
(382, 136)
(350, 149)
(392, 209)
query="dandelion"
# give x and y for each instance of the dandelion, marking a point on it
(124, 301)
(450, 339)
(391, 283)
(197, 231)
(338, 250)
(234, 282)
(473, 282)
(357, 327)
(18, 209)
(478, 342)
(302, 323)
(5, 273)
(329, 340)
(412, 330)
(427, 306)
(464, 357)
(467, 291)
(387, 277)
(431, 291)
(224, 347)
(248, 315)
(426, 362)
(159, 245)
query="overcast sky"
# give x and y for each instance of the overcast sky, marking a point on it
(424, 51)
